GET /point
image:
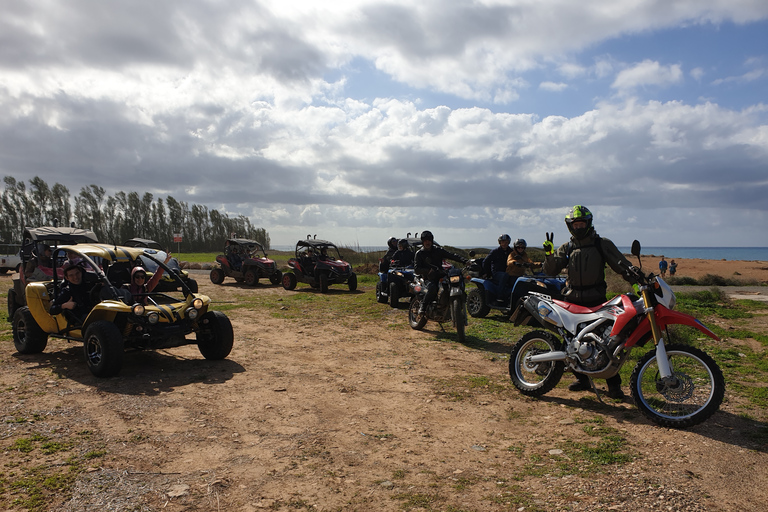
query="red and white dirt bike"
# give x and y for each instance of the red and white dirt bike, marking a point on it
(674, 385)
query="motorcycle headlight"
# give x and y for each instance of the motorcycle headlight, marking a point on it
(153, 318)
(197, 303)
(192, 313)
(455, 279)
(138, 310)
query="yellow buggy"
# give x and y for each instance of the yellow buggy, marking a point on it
(119, 321)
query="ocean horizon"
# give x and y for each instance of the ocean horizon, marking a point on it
(704, 253)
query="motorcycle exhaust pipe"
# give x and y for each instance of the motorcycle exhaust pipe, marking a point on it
(548, 356)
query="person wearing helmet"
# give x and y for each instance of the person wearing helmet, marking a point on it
(584, 256)
(495, 264)
(139, 287)
(517, 260)
(74, 300)
(428, 263)
(403, 256)
(391, 250)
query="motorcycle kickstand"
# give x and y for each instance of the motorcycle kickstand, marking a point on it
(597, 393)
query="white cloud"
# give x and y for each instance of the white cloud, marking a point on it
(648, 73)
(552, 86)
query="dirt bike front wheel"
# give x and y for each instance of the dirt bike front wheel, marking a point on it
(535, 379)
(693, 394)
(417, 322)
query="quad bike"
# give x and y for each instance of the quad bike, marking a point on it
(488, 295)
(674, 385)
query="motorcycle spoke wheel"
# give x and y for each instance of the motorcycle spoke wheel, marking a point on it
(693, 394)
(535, 379)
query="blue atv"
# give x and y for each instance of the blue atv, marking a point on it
(395, 282)
(487, 295)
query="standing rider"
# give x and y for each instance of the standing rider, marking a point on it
(495, 264)
(429, 265)
(585, 256)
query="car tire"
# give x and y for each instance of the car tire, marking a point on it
(276, 277)
(289, 281)
(216, 337)
(28, 337)
(192, 284)
(103, 347)
(352, 282)
(217, 276)
(476, 303)
(394, 295)
(251, 277)
(323, 279)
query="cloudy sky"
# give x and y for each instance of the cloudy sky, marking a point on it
(358, 120)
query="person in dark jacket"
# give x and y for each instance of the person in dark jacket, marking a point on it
(73, 300)
(391, 250)
(495, 264)
(428, 263)
(585, 256)
(404, 256)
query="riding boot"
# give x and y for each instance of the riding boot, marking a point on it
(614, 387)
(581, 384)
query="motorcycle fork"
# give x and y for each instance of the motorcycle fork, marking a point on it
(665, 372)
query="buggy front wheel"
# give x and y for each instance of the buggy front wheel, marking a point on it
(103, 347)
(217, 276)
(352, 282)
(215, 337)
(289, 281)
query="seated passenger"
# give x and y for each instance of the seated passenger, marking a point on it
(495, 264)
(139, 286)
(403, 257)
(323, 255)
(517, 261)
(391, 250)
(43, 261)
(73, 300)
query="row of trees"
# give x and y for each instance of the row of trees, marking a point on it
(117, 218)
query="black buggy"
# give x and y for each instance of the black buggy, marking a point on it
(318, 263)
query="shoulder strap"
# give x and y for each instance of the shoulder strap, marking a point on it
(598, 245)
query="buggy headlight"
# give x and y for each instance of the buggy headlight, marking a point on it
(197, 303)
(192, 313)
(153, 318)
(138, 310)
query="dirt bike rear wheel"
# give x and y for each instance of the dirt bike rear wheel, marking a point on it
(695, 396)
(535, 379)
(417, 323)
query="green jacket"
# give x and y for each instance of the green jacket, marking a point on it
(586, 268)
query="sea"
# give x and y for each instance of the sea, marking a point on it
(704, 253)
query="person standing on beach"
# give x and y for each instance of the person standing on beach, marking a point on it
(663, 267)
(672, 268)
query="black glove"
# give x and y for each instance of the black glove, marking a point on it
(634, 273)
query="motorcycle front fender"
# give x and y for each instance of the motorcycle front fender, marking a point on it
(456, 291)
(665, 317)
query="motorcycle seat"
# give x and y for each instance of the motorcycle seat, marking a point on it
(576, 309)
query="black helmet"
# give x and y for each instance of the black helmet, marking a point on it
(505, 238)
(392, 242)
(520, 243)
(579, 213)
(402, 243)
(427, 235)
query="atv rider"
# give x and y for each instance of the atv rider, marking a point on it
(391, 250)
(517, 260)
(495, 264)
(585, 256)
(404, 256)
(74, 299)
(429, 265)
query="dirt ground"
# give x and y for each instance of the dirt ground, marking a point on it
(344, 414)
